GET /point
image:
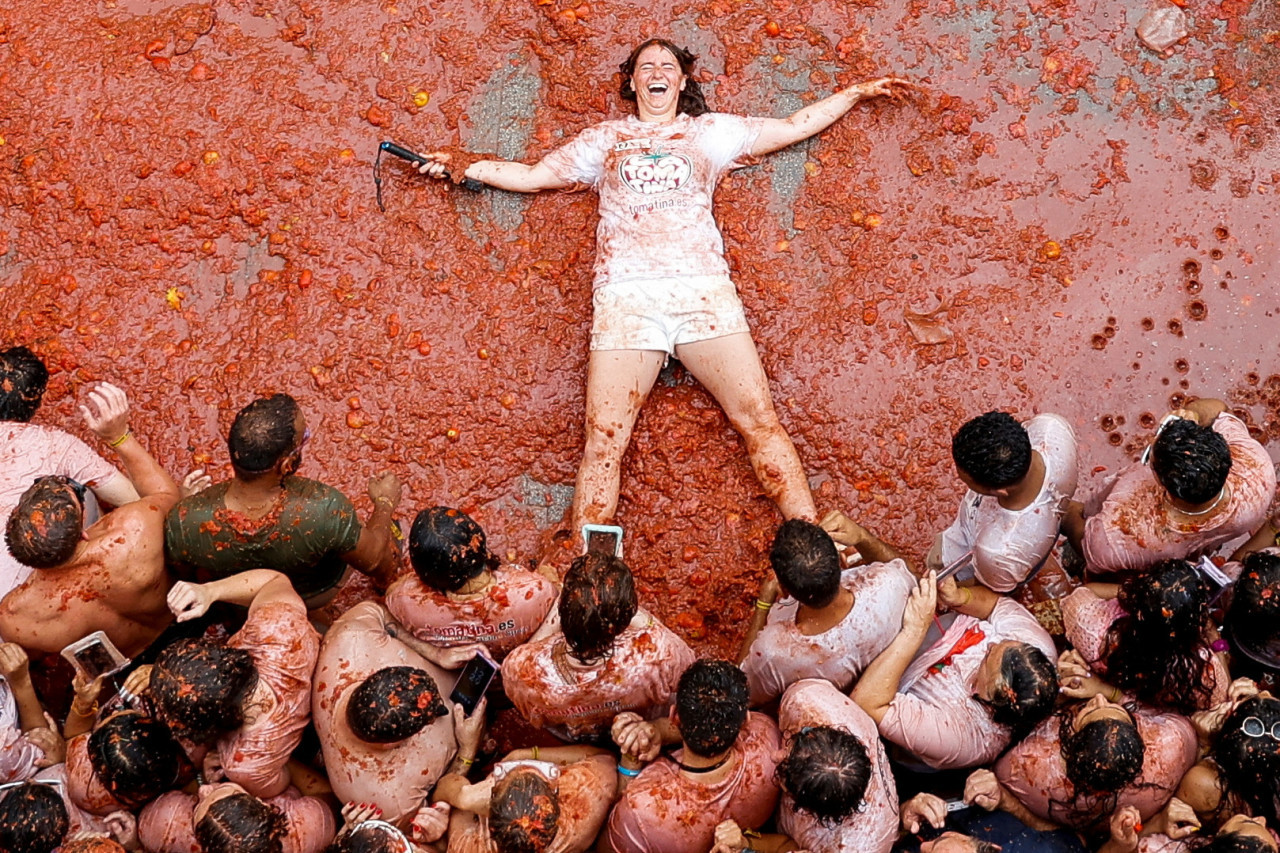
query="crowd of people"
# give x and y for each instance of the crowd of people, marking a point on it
(1054, 676)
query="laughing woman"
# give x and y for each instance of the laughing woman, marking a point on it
(662, 285)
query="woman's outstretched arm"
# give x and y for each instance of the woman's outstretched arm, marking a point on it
(780, 132)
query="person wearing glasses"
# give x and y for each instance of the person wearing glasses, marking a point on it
(269, 517)
(30, 450)
(110, 577)
(1203, 481)
(1241, 773)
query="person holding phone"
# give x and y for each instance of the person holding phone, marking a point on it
(662, 283)
(382, 713)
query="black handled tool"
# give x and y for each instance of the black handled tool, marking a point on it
(417, 160)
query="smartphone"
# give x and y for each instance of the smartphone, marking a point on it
(473, 681)
(95, 656)
(956, 805)
(1216, 578)
(961, 562)
(602, 539)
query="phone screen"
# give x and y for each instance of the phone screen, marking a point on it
(95, 660)
(473, 681)
(599, 542)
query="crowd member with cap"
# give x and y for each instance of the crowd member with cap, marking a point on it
(110, 577)
(830, 623)
(459, 594)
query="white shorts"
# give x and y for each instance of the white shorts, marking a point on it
(663, 313)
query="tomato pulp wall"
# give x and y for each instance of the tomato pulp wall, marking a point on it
(189, 212)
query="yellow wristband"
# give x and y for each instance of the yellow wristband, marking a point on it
(535, 753)
(121, 440)
(763, 605)
(968, 596)
(466, 762)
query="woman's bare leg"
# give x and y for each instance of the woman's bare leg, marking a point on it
(618, 383)
(729, 367)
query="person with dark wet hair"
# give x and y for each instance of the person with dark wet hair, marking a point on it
(224, 818)
(381, 710)
(32, 450)
(1019, 479)
(723, 772)
(1246, 750)
(609, 656)
(533, 800)
(830, 623)
(458, 593)
(960, 701)
(1090, 759)
(1252, 626)
(269, 517)
(131, 757)
(33, 819)
(1209, 482)
(111, 577)
(248, 698)
(1149, 641)
(662, 284)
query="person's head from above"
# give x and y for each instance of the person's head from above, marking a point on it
(447, 548)
(1247, 752)
(135, 757)
(597, 602)
(806, 562)
(711, 706)
(992, 453)
(47, 525)
(1191, 462)
(524, 811)
(1155, 650)
(267, 438)
(371, 836)
(826, 773)
(1254, 614)
(954, 842)
(393, 704)
(657, 77)
(1101, 747)
(23, 379)
(1017, 684)
(92, 844)
(227, 819)
(33, 819)
(200, 688)
(1240, 833)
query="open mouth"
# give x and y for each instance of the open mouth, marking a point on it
(658, 88)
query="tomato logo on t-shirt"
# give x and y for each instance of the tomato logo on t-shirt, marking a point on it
(655, 172)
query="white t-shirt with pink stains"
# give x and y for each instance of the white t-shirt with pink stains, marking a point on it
(781, 655)
(873, 828)
(655, 183)
(1008, 543)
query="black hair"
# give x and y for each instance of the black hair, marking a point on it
(1191, 462)
(134, 757)
(1102, 758)
(1157, 650)
(524, 813)
(447, 548)
(241, 823)
(1250, 766)
(44, 529)
(33, 819)
(200, 688)
(711, 701)
(394, 703)
(1229, 842)
(692, 101)
(597, 603)
(826, 773)
(23, 379)
(1254, 614)
(1026, 692)
(993, 449)
(806, 562)
(263, 433)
